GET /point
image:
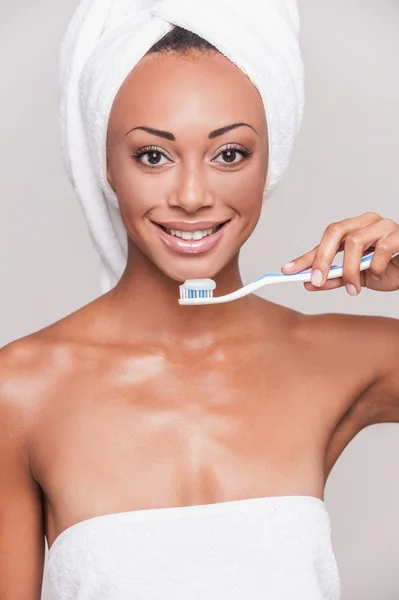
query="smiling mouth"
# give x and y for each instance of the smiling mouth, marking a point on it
(192, 235)
(192, 242)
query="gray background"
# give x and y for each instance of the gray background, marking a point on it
(345, 163)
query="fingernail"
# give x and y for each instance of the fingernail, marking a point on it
(288, 265)
(351, 289)
(375, 277)
(317, 277)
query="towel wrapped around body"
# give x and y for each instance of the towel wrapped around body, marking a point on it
(104, 41)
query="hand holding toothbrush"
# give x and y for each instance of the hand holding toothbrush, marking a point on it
(354, 236)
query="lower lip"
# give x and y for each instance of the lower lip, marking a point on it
(191, 246)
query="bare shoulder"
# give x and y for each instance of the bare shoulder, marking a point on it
(353, 329)
(19, 359)
(369, 344)
(373, 337)
(23, 359)
(32, 366)
(28, 368)
(22, 365)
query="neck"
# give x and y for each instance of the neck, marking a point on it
(148, 298)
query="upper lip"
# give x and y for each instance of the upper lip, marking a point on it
(190, 226)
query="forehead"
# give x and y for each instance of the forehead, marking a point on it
(202, 88)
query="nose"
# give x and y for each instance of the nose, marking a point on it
(191, 192)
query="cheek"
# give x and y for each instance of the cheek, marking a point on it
(243, 189)
(135, 190)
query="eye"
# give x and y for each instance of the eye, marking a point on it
(230, 152)
(154, 154)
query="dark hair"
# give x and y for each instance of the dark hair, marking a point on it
(181, 40)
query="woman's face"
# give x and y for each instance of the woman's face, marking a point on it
(194, 175)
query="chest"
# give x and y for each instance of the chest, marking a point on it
(155, 430)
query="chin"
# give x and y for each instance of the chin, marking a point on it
(180, 273)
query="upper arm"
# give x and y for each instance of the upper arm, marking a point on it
(380, 402)
(21, 525)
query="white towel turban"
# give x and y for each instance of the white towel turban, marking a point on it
(107, 38)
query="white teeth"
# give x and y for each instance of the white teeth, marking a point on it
(191, 235)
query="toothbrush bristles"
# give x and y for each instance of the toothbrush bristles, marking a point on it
(186, 293)
(197, 289)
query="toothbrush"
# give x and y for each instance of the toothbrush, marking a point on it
(200, 291)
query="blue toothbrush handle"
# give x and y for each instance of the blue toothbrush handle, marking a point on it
(335, 271)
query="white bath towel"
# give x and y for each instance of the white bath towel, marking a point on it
(105, 39)
(270, 548)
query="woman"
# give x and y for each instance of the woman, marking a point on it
(182, 452)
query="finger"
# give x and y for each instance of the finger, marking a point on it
(357, 242)
(305, 261)
(383, 253)
(330, 284)
(332, 240)
(301, 263)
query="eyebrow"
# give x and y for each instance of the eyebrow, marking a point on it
(169, 136)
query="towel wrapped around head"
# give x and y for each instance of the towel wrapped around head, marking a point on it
(104, 41)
